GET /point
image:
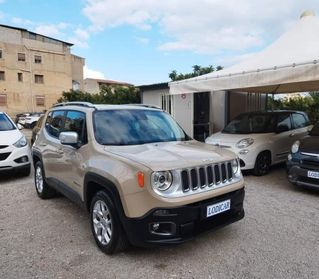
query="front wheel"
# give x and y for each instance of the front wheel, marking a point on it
(44, 191)
(262, 164)
(105, 224)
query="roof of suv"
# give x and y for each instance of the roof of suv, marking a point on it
(104, 106)
(273, 111)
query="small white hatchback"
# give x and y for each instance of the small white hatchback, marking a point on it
(14, 149)
(261, 139)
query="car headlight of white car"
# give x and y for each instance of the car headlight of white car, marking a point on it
(243, 143)
(22, 142)
(295, 147)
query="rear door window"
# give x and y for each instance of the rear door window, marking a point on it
(299, 120)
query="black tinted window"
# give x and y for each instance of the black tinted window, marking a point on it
(284, 120)
(54, 123)
(75, 122)
(299, 120)
(251, 123)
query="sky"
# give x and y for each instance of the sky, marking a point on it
(142, 41)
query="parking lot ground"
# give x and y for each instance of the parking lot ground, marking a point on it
(278, 238)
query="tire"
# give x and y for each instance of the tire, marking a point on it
(105, 224)
(262, 164)
(44, 191)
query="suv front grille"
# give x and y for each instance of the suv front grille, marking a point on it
(203, 176)
(3, 146)
(4, 156)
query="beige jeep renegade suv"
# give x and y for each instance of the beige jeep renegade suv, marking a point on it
(143, 180)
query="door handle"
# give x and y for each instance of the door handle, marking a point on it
(42, 144)
(292, 134)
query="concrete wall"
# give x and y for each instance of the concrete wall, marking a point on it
(217, 110)
(184, 112)
(153, 97)
(58, 68)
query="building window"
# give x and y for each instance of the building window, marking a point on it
(0, 53)
(38, 79)
(3, 99)
(2, 75)
(75, 85)
(37, 59)
(20, 77)
(39, 100)
(21, 57)
(167, 103)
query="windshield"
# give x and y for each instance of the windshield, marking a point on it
(315, 130)
(135, 126)
(5, 123)
(251, 124)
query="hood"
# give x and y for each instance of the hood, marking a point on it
(172, 155)
(310, 144)
(231, 139)
(9, 137)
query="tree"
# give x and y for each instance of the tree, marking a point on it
(308, 104)
(107, 95)
(197, 71)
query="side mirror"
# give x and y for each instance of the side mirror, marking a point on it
(282, 128)
(20, 127)
(69, 138)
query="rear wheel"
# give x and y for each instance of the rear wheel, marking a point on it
(105, 224)
(44, 191)
(262, 164)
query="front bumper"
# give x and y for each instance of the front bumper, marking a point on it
(299, 176)
(13, 158)
(184, 222)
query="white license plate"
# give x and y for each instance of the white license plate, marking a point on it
(313, 174)
(217, 208)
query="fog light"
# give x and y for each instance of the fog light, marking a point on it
(155, 226)
(23, 159)
(163, 228)
(289, 157)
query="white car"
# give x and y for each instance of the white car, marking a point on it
(31, 120)
(14, 149)
(261, 139)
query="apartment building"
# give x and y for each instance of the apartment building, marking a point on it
(35, 70)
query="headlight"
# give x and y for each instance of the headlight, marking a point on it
(295, 146)
(161, 180)
(235, 166)
(245, 143)
(21, 142)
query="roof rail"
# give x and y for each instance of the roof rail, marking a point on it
(80, 104)
(146, 106)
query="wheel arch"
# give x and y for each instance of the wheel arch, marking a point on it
(93, 183)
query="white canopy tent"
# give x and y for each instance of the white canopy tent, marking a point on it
(290, 64)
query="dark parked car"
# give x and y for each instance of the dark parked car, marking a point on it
(303, 161)
(36, 129)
